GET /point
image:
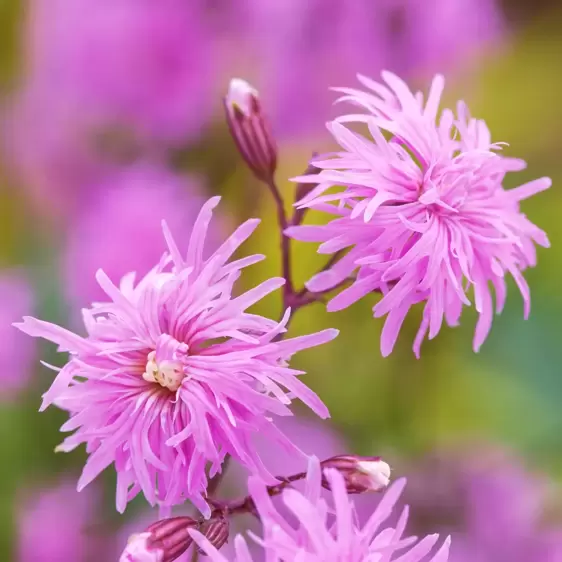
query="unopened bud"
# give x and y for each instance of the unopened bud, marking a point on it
(361, 474)
(163, 541)
(216, 531)
(250, 129)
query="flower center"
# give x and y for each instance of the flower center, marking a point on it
(166, 373)
(164, 365)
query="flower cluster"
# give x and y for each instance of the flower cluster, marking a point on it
(423, 212)
(304, 525)
(175, 374)
(327, 530)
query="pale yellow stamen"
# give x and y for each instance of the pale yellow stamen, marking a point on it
(168, 374)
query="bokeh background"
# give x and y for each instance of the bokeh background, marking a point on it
(111, 120)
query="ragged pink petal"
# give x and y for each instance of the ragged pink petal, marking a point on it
(422, 208)
(175, 374)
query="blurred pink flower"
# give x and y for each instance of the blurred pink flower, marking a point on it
(320, 530)
(493, 506)
(103, 79)
(16, 351)
(49, 152)
(174, 374)
(56, 525)
(442, 34)
(118, 229)
(425, 214)
(303, 46)
(514, 500)
(132, 63)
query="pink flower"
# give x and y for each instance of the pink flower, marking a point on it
(118, 227)
(56, 524)
(100, 79)
(302, 46)
(465, 490)
(174, 374)
(16, 351)
(444, 34)
(49, 152)
(424, 215)
(322, 531)
(502, 491)
(131, 63)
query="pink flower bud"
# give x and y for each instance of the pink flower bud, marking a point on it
(163, 541)
(216, 531)
(250, 129)
(362, 474)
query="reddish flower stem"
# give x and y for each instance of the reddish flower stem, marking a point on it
(285, 241)
(246, 505)
(303, 297)
(292, 298)
(295, 300)
(226, 509)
